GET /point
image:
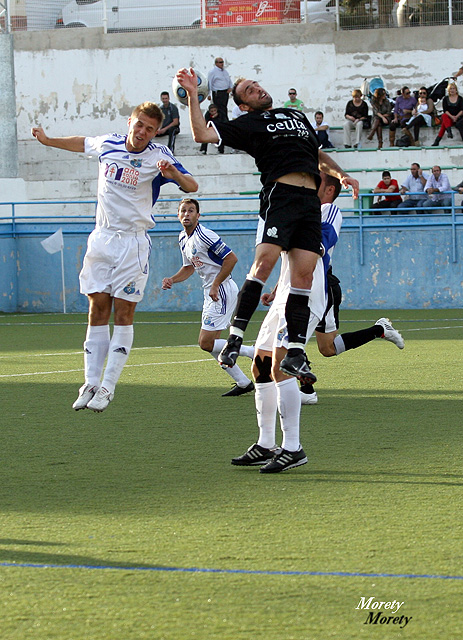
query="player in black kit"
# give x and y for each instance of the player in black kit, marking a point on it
(285, 148)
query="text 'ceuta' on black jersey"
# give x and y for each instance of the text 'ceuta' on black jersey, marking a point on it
(280, 140)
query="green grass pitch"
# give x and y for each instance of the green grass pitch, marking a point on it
(105, 516)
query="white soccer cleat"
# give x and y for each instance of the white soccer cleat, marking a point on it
(390, 334)
(100, 400)
(309, 398)
(86, 393)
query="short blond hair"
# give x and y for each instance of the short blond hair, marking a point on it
(150, 109)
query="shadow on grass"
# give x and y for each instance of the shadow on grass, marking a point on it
(39, 559)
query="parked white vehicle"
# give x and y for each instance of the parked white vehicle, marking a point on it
(122, 15)
(320, 11)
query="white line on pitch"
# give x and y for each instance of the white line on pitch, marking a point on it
(127, 366)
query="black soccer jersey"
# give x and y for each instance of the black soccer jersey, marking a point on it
(280, 140)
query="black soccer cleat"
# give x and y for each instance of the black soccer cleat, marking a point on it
(298, 367)
(230, 352)
(284, 460)
(239, 391)
(254, 455)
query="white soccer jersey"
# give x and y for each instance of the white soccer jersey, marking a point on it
(128, 182)
(205, 250)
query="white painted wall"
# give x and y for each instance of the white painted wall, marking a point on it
(77, 88)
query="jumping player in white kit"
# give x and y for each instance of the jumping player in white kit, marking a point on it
(205, 252)
(115, 270)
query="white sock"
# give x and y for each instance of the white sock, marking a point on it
(96, 347)
(248, 352)
(289, 408)
(119, 349)
(339, 345)
(218, 346)
(266, 408)
(235, 372)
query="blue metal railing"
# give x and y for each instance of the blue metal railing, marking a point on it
(361, 217)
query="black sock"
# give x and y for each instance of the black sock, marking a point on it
(297, 314)
(357, 338)
(248, 299)
(307, 388)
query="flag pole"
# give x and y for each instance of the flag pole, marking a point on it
(62, 279)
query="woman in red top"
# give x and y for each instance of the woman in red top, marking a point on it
(387, 186)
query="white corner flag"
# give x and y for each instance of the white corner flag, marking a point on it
(53, 244)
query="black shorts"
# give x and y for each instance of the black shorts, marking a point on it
(290, 217)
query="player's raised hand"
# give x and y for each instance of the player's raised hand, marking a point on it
(188, 79)
(39, 134)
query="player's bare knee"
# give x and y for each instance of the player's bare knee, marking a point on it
(262, 369)
(205, 344)
(327, 350)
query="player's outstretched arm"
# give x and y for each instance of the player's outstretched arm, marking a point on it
(328, 165)
(71, 143)
(183, 274)
(188, 79)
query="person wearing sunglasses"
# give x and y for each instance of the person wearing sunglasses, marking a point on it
(220, 86)
(404, 105)
(421, 116)
(294, 102)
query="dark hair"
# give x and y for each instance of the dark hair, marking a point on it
(150, 109)
(318, 113)
(417, 164)
(332, 181)
(386, 174)
(188, 201)
(236, 98)
(404, 89)
(164, 93)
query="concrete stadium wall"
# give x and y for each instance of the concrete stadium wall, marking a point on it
(403, 269)
(84, 82)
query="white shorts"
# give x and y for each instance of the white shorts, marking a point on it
(274, 332)
(117, 263)
(217, 315)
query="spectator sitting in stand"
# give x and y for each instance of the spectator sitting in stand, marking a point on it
(212, 114)
(413, 184)
(452, 105)
(356, 114)
(382, 114)
(459, 188)
(421, 116)
(404, 105)
(321, 128)
(389, 186)
(294, 102)
(171, 123)
(436, 186)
